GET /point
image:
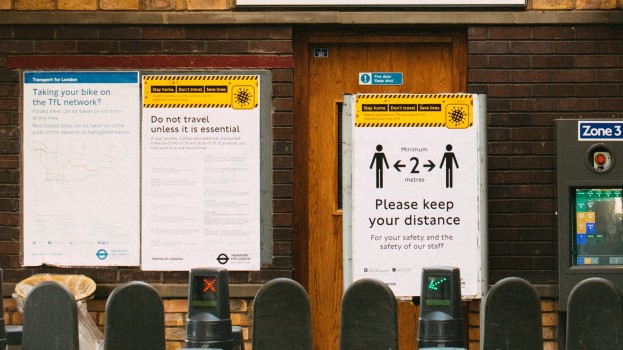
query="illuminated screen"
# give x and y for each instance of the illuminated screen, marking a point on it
(205, 292)
(598, 227)
(437, 290)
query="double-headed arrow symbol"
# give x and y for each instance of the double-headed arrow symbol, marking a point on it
(430, 165)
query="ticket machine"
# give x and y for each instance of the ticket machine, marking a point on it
(590, 202)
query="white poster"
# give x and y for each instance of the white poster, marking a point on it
(417, 189)
(201, 172)
(81, 168)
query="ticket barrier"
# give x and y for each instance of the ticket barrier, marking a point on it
(441, 315)
(209, 323)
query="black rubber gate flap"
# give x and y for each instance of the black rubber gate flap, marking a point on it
(369, 316)
(50, 318)
(512, 316)
(282, 317)
(595, 316)
(134, 318)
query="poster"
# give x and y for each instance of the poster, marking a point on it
(201, 172)
(417, 189)
(81, 168)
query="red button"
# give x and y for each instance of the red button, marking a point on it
(600, 159)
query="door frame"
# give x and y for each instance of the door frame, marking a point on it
(302, 39)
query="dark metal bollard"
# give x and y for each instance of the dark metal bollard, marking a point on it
(282, 317)
(369, 316)
(50, 318)
(595, 316)
(134, 318)
(512, 316)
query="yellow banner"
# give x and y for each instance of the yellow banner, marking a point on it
(200, 91)
(453, 111)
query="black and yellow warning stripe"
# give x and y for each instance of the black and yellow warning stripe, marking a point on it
(200, 77)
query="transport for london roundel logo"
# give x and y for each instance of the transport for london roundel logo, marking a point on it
(243, 97)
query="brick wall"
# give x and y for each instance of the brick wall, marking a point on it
(533, 75)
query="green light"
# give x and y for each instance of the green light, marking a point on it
(433, 285)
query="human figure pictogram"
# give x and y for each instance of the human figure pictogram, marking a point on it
(379, 159)
(449, 159)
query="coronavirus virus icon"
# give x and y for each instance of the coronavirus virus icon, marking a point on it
(243, 97)
(457, 117)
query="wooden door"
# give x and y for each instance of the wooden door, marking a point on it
(327, 65)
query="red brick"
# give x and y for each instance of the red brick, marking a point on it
(488, 76)
(9, 162)
(557, 62)
(77, 32)
(576, 104)
(9, 247)
(280, 147)
(488, 47)
(510, 90)
(553, 33)
(282, 248)
(10, 233)
(283, 162)
(510, 33)
(574, 47)
(282, 233)
(161, 33)
(9, 205)
(609, 75)
(282, 119)
(281, 206)
(98, 46)
(280, 191)
(611, 104)
(478, 61)
(476, 33)
(183, 46)
(283, 176)
(573, 75)
(531, 47)
(283, 104)
(17, 46)
(531, 76)
(531, 105)
(554, 90)
(207, 32)
(283, 75)
(283, 89)
(31, 32)
(120, 33)
(56, 46)
(140, 46)
(597, 61)
(269, 46)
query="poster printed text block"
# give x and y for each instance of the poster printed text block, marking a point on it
(81, 168)
(201, 172)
